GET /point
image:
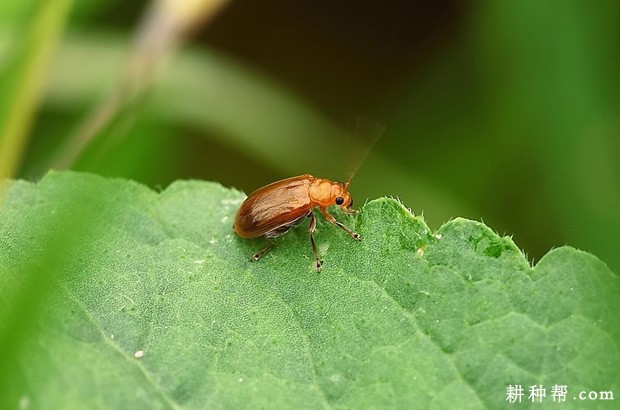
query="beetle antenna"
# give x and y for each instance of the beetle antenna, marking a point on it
(366, 132)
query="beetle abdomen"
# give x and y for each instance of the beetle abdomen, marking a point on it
(277, 205)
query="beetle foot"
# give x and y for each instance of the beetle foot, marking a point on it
(356, 236)
(260, 253)
(318, 264)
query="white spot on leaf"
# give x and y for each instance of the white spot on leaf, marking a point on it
(230, 201)
(24, 402)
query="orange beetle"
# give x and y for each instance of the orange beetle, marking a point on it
(274, 209)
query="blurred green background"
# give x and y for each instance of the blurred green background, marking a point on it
(505, 112)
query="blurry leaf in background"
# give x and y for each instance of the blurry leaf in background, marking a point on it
(22, 79)
(162, 29)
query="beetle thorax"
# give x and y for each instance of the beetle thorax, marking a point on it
(323, 192)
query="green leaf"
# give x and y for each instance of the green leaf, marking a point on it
(94, 271)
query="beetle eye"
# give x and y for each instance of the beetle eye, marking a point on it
(351, 202)
(339, 200)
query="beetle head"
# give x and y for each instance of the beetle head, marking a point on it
(342, 198)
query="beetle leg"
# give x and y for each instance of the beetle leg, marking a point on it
(311, 228)
(333, 220)
(263, 251)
